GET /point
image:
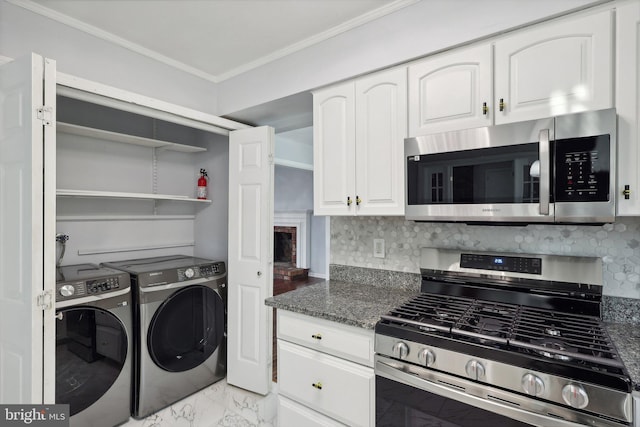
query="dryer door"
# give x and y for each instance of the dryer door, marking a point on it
(186, 329)
(91, 348)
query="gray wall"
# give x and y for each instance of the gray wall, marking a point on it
(294, 191)
(88, 57)
(617, 244)
(415, 31)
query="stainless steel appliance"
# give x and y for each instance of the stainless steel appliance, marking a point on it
(93, 344)
(558, 169)
(180, 318)
(501, 340)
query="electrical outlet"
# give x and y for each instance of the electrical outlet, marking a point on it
(378, 248)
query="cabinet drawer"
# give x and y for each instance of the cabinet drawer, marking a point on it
(348, 342)
(291, 414)
(332, 386)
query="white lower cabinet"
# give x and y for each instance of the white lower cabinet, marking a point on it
(316, 387)
(292, 414)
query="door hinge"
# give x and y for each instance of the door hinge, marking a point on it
(270, 159)
(45, 114)
(45, 300)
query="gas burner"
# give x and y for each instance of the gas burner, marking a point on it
(552, 331)
(554, 349)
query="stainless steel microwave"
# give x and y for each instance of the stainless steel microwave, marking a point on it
(555, 170)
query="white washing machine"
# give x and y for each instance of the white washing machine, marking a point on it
(180, 323)
(94, 344)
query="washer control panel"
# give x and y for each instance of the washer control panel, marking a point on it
(68, 290)
(198, 271)
(102, 285)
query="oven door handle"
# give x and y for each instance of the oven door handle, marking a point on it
(466, 392)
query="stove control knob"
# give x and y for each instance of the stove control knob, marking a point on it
(426, 357)
(575, 396)
(67, 290)
(400, 350)
(532, 385)
(475, 370)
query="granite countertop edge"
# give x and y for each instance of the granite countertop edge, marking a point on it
(359, 305)
(342, 302)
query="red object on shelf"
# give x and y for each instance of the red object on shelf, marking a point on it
(202, 185)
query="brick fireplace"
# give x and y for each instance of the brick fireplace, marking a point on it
(291, 241)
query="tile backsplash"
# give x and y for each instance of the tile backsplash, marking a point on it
(617, 244)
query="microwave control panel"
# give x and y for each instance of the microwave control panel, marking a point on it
(582, 169)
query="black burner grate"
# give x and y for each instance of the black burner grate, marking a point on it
(552, 334)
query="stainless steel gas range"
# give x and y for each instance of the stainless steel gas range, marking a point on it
(501, 340)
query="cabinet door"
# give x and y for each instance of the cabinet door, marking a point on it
(291, 414)
(334, 150)
(628, 106)
(449, 91)
(250, 258)
(555, 68)
(381, 126)
(334, 387)
(27, 224)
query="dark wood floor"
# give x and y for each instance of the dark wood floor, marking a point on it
(280, 287)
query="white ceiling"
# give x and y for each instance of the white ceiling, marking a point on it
(214, 39)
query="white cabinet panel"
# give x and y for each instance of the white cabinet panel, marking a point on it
(351, 343)
(451, 91)
(291, 414)
(555, 68)
(359, 130)
(628, 106)
(381, 126)
(340, 389)
(334, 150)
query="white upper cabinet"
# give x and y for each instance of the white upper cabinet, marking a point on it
(628, 106)
(334, 150)
(560, 67)
(451, 91)
(381, 126)
(359, 131)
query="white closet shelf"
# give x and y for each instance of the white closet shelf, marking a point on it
(121, 195)
(69, 128)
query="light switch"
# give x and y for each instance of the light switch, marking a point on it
(378, 248)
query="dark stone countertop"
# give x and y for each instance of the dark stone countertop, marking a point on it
(362, 305)
(343, 302)
(626, 338)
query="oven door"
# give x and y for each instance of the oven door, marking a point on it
(408, 396)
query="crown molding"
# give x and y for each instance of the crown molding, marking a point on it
(109, 37)
(310, 41)
(112, 38)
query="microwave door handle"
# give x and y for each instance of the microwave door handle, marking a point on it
(545, 170)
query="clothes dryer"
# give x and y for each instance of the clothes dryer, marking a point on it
(180, 318)
(93, 344)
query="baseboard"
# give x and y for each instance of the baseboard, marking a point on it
(318, 275)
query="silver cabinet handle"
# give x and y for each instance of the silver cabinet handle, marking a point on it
(545, 170)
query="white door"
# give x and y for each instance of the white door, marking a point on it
(27, 213)
(451, 91)
(334, 151)
(555, 68)
(250, 265)
(381, 126)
